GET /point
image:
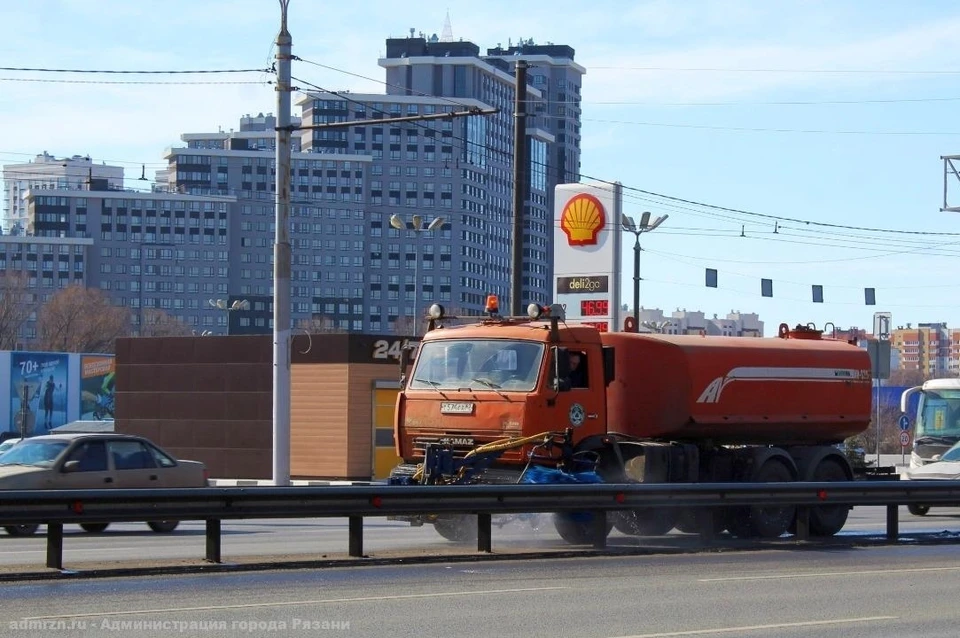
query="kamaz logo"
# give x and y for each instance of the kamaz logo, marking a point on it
(456, 441)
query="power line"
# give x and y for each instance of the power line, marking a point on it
(141, 72)
(124, 81)
(750, 129)
(774, 217)
(386, 84)
(770, 70)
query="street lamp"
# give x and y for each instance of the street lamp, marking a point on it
(417, 226)
(638, 229)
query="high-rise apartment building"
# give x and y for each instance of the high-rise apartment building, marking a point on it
(47, 171)
(930, 347)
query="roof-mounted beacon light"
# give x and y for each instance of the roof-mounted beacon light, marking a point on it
(436, 311)
(535, 311)
(493, 305)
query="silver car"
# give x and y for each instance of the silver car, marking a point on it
(946, 467)
(94, 461)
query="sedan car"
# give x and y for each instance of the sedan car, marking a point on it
(944, 468)
(94, 461)
(9, 443)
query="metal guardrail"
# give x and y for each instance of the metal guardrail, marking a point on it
(55, 508)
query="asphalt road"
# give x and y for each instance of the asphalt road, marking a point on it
(879, 591)
(318, 538)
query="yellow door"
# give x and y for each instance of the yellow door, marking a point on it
(384, 450)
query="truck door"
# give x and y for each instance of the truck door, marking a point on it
(583, 405)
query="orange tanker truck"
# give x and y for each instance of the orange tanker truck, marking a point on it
(517, 399)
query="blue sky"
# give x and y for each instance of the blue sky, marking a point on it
(680, 98)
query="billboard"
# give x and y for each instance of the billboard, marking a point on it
(38, 391)
(97, 373)
(586, 253)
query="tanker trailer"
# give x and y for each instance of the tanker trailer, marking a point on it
(492, 402)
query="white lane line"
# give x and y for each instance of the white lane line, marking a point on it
(77, 550)
(320, 601)
(866, 572)
(786, 625)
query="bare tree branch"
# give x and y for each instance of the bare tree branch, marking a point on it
(79, 319)
(157, 323)
(16, 304)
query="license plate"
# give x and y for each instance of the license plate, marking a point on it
(451, 407)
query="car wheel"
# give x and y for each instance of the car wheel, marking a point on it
(163, 527)
(94, 528)
(21, 530)
(918, 510)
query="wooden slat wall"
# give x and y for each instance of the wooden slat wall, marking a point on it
(319, 421)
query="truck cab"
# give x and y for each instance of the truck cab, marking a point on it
(501, 378)
(937, 422)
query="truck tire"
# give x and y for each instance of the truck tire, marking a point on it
(21, 530)
(918, 510)
(827, 520)
(577, 527)
(646, 521)
(94, 528)
(759, 521)
(687, 522)
(459, 529)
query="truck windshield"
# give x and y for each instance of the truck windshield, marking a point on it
(498, 364)
(939, 414)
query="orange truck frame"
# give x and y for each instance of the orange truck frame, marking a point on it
(492, 402)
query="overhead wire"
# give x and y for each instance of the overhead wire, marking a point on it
(132, 72)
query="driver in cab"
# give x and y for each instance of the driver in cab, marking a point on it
(577, 377)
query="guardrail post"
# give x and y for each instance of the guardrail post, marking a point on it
(484, 533)
(893, 522)
(356, 537)
(803, 523)
(599, 529)
(213, 540)
(55, 545)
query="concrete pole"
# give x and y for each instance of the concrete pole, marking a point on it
(519, 187)
(282, 261)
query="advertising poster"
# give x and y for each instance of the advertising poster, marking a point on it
(38, 392)
(97, 374)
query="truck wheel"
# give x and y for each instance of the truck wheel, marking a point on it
(21, 530)
(577, 527)
(918, 510)
(163, 527)
(827, 520)
(759, 521)
(94, 528)
(687, 522)
(459, 529)
(645, 521)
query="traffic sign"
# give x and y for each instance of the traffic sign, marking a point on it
(904, 439)
(904, 422)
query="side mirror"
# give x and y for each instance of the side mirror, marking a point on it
(561, 369)
(405, 361)
(71, 466)
(935, 458)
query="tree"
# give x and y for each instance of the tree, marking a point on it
(16, 304)
(79, 319)
(157, 323)
(320, 325)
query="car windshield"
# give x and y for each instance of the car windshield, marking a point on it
(38, 453)
(498, 364)
(953, 454)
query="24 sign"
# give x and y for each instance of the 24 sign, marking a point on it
(389, 348)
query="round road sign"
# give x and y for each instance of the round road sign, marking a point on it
(904, 422)
(904, 439)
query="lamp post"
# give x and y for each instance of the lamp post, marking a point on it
(417, 226)
(224, 305)
(638, 229)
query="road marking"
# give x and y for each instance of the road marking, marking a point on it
(320, 601)
(786, 625)
(868, 572)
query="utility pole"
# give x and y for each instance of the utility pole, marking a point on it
(519, 186)
(282, 261)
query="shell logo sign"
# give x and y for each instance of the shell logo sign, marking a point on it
(582, 220)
